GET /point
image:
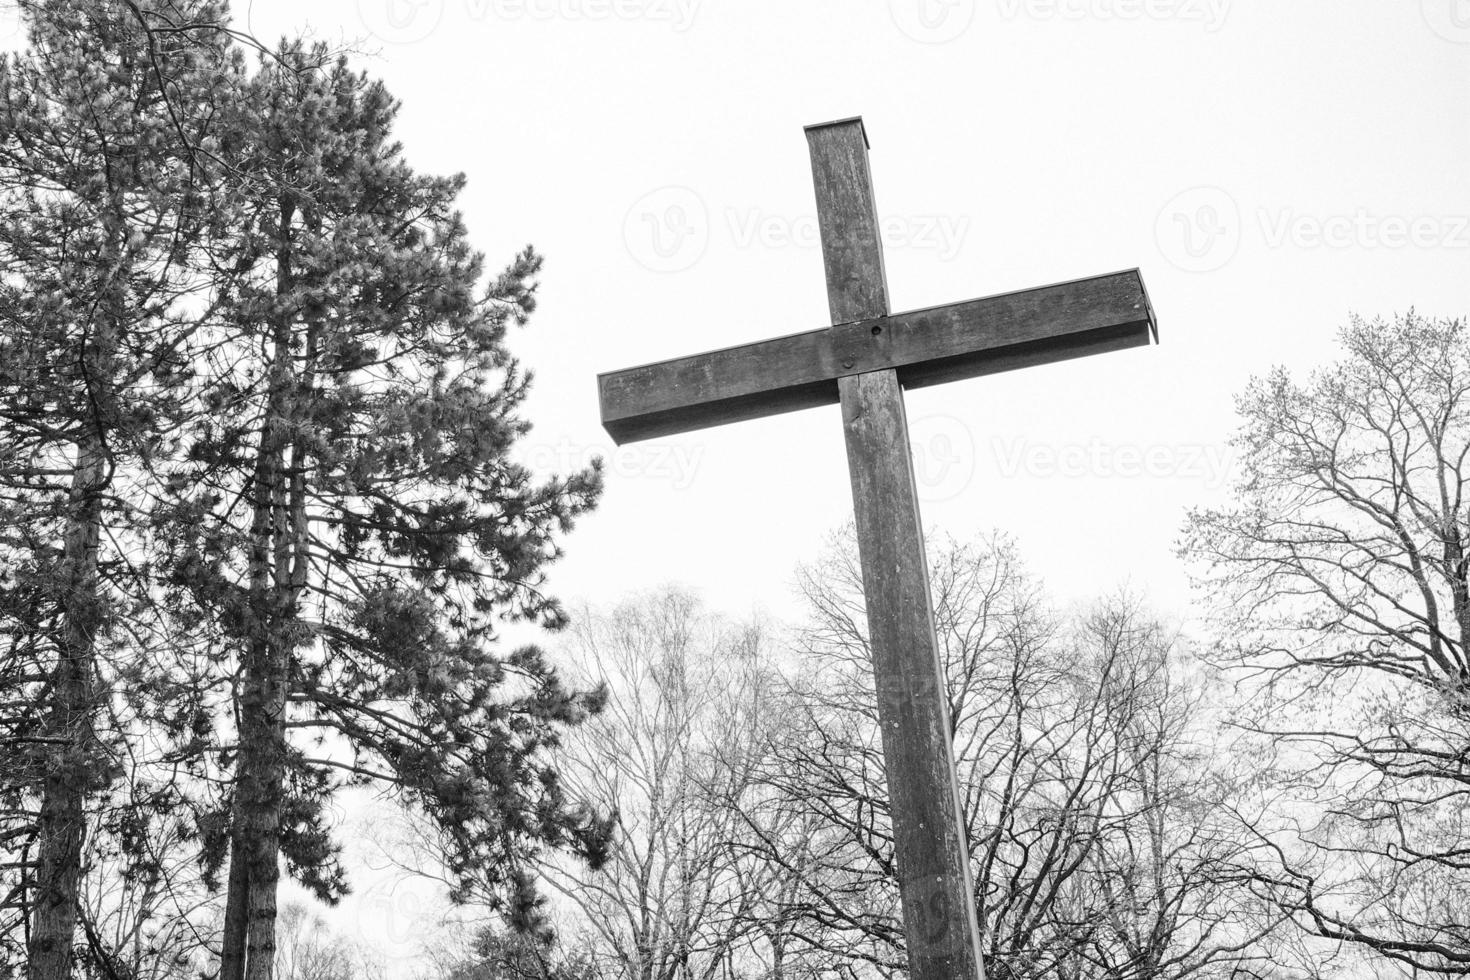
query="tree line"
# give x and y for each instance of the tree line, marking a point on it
(262, 530)
(1279, 796)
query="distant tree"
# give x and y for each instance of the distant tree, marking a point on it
(503, 954)
(1341, 576)
(692, 701)
(307, 948)
(1166, 891)
(1100, 840)
(145, 911)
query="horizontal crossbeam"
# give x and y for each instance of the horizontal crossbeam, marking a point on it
(926, 347)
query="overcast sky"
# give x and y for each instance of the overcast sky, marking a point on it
(1271, 166)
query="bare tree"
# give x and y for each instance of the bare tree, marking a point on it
(1100, 846)
(1167, 887)
(307, 948)
(1340, 575)
(675, 752)
(145, 910)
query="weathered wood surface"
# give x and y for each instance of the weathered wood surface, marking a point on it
(931, 848)
(931, 346)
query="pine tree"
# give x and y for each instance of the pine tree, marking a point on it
(351, 522)
(254, 384)
(102, 207)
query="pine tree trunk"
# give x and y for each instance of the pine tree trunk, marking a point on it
(250, 911)
(259, 837)
(261, 817)
(237, 908)
(62, 820)
(73, 757)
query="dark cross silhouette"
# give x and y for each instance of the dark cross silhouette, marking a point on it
(865, 360)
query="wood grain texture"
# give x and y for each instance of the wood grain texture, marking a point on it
(932, 346)
(940, 923)
(847, 216)
(932, 852)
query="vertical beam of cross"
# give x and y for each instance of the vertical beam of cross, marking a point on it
(932, 850)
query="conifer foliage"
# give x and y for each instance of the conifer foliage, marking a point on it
(101, 218)
(261, 519)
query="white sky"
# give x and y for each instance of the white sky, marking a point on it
(1270, 166)
(1015, 143)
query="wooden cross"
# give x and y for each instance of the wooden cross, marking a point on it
(864, 361)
